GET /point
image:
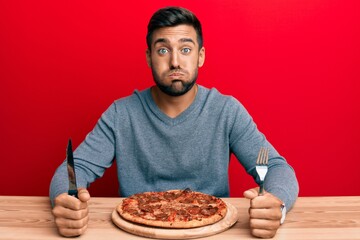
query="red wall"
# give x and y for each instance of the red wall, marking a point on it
(293, 63)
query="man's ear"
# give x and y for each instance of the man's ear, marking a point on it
(148, 57)
(201, 57)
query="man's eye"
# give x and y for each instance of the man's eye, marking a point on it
(186, 50)
(162, 51)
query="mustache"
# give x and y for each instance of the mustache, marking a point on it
(181, 71)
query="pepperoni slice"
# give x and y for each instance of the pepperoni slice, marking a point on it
(146, 208)
(208, 211)
(170, 195)
(162, 216)
(193, 209)
(187, 200)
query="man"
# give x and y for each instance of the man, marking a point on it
(175, 135)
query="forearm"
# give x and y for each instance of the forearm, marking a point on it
(281, 181)
(91, 158)
(60, 183)
(246, 141)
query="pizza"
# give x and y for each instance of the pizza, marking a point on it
(172, 209)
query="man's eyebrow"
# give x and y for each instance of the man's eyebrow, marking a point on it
(161, 40)
(164, 40)
(187, 40)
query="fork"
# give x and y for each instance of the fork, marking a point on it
(262, 167)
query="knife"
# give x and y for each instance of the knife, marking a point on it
(71, 171)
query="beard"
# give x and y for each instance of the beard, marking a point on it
(173, 89)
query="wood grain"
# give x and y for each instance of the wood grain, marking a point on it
(311, 218)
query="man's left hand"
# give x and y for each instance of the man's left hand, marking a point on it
(265, 213)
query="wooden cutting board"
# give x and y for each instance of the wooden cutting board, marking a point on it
(230, 219)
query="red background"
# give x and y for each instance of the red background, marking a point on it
(294, 64)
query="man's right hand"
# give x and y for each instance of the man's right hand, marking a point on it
(72, 214)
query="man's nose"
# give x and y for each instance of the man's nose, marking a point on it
(174, 60)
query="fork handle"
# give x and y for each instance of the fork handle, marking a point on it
(261, 190)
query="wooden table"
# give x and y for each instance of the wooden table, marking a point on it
(311, 218)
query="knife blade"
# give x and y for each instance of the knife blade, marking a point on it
(71, 171)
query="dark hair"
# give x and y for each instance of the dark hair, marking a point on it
(171, 17)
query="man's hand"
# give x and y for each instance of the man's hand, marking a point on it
(265, 213)
(72, 214)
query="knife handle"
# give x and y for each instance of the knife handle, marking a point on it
(73, 193)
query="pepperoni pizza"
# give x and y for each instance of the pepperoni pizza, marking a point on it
(173, 209)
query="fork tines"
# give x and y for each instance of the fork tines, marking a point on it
(262, 166)
(263, 156)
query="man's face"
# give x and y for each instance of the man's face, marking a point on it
(174, 59)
